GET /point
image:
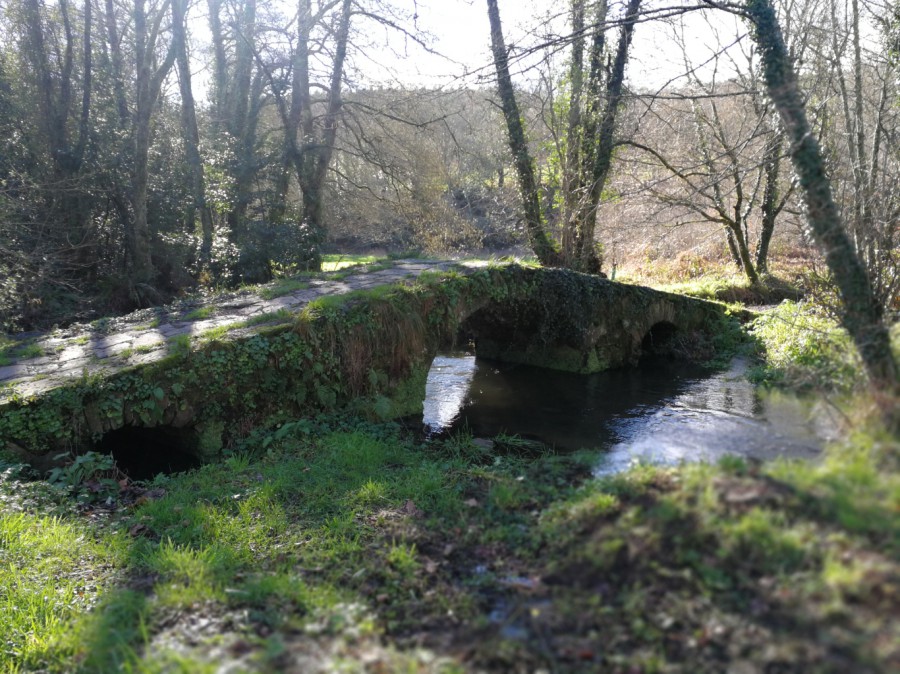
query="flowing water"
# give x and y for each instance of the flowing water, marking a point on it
(662, 411)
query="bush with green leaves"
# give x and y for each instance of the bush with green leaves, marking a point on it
(288, 244)
(805, 348)
(91, 476)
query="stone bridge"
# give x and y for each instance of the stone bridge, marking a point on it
(202, 376)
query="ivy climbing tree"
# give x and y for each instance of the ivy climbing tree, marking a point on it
(861, 313)
(595, 101)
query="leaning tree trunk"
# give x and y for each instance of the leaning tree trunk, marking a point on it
(861, 313)
(531, 199)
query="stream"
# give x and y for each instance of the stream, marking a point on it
(663, 411)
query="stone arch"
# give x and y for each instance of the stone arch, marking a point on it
(658, 339)
(142, 452)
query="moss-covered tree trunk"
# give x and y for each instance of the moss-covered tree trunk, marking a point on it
(540, 242)
(862, 316)
(588, 260)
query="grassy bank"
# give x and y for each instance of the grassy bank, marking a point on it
(339, 545)
(349, 546)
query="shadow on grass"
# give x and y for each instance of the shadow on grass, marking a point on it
(726, 569)
(349, 544)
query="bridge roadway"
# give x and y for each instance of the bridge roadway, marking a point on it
(146, 336)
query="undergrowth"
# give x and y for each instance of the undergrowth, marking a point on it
(804, 347)
(697, 276)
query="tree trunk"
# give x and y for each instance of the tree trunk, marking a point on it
(531, 201)
(148, 82)
(236, 89)
(584, 240)
(769, 206)
(740, 245)
(573, 161)
(115, 51)
(219, 64)
(861, 314)
(191, 133)
(239, 105)
(68, 205)
(313, 183)
(83, 222)
(87, 74)
(733, 248)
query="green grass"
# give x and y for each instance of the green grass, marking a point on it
(283, 287)
(729, 288)
(54, 569)
(149, 325)
(804, 348)
(281, 315)
(12, 350)
(797, 541)
(6, 346)
(316, 531)
(219, 332)
(355, 535)
(714, 280)
(200, 314)
(336, 543)
(179, 344)
(337, 261)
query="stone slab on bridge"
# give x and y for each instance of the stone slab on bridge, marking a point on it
(204, 375)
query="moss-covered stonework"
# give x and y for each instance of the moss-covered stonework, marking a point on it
(368, 350)
(579, 323)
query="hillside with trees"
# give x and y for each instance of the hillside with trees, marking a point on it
(162, 147)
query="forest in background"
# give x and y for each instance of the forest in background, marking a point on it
(125, 178)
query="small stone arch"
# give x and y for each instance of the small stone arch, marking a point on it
(659, 339)
(142, 452)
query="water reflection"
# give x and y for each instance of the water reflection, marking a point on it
(662, 411)
(445, 390)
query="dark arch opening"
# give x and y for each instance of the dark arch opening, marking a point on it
(142, 453)
(659, 339)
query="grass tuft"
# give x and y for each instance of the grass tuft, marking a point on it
(283, 287)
